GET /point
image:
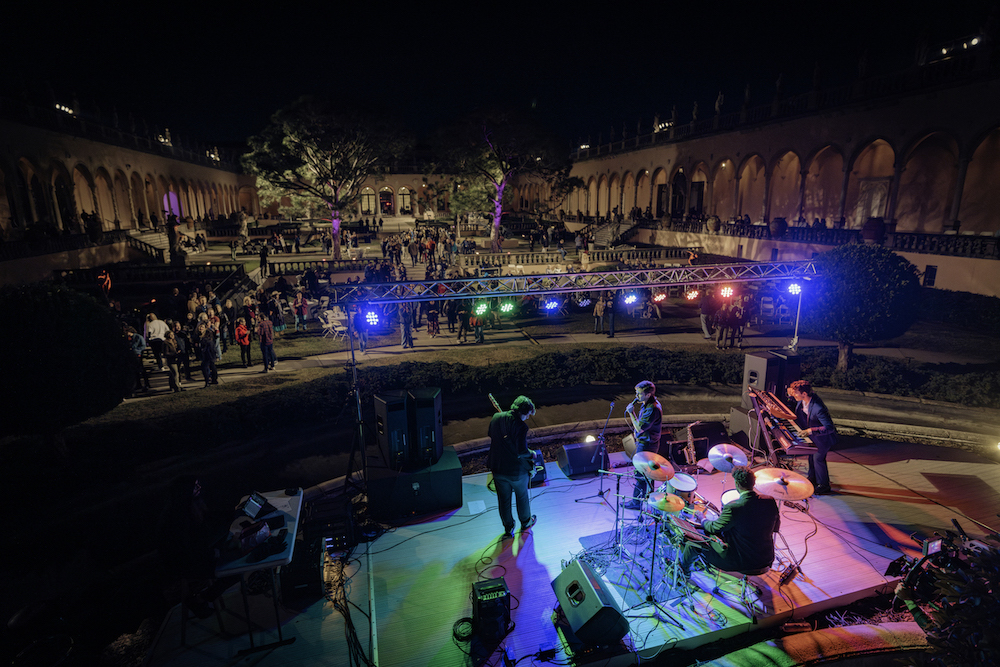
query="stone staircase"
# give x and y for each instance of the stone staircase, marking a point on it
(155, 239)
(604, 236)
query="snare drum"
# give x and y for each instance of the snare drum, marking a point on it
(729, 496)
(684, 486)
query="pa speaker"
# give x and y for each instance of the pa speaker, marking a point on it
(392, 427)
(582, 459)
(491, 610)
(428, 443)
(769, 371)
(588, 605)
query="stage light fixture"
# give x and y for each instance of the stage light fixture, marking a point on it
(584, 302)
(551, 304)
(371, 317)
(795, 288)
(659, 297)
(507, 307)
(727, 292)
(692, 295)
(589, 438)
(481, 309)
(630, 299)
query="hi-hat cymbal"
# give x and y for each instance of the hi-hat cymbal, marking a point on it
(726, 457)
(782, 484)
(653, 466)
(667, 502)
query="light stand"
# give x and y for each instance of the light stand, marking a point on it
(358, 443)
(600, 452)
(795, 288)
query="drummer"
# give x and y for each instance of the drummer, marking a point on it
(646, 417)
(746, 525)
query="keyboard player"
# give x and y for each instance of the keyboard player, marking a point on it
(813, 417)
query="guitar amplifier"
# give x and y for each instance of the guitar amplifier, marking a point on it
(491, 610)
(538, 474)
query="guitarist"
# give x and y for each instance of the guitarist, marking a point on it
(645, 415)
(511, 463)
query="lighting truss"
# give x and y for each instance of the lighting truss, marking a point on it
(567, 283)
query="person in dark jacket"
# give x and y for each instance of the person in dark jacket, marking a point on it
(813, 417)
(511, 462)
(745, 526)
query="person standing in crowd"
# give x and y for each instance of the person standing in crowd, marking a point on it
(171, 352)
(707, 309)
(264, 250)
(138, 345)
(243, 340)
(154, 331)
(361, 327)
(433, 313)
(451, 312)
(300, 306)
(646, 417)
(405, 325)
(265, 334)
(208, 354)
(511, 463)
(609, 312)
(813, 417)
(599, 315)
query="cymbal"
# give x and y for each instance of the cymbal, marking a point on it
(726, 457)
(653, 466)
(782, 484)
(667, 502)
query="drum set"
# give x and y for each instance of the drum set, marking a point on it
(681, 510)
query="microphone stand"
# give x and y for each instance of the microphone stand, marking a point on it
(601, 451)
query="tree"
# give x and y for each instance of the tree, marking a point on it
(66, 360)
(865, 293)
(320, 151)
(492, 147)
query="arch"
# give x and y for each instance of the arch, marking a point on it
(139, 199)
(246, 199)
(614, 193)
(386, 201)
(628, 194)
(981, 196)
(723, 202)
(642, 191)
(123, 201)
(83, 190)
(601, 202)
(62, 195)
(927, 184)
(870, 177)
(783, 195)
(105, 199)
(750, 198)
(367, 201)
(824, 184)
(678, 194)
(660, 193)
(698, 189)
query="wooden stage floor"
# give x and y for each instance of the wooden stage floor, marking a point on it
(419, 576)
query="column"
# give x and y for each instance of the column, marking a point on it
(843, 195)
(802, 193)
(956, 204)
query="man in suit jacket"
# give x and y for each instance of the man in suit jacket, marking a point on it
(746, 525)
(814, 419)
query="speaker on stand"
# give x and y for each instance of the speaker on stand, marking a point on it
(427, 425)
(392, 428)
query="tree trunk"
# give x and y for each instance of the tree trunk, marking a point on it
(335, 230)
(497, 215)
(846, 350)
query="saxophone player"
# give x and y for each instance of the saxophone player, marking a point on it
(645, 416)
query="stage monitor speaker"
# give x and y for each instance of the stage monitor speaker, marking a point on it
(428, 441)
(538, 475)
(491, 610)
(588, 605)
(436, 488)
(582, 459)
(675, 450)
(769, 371)
(392, 428)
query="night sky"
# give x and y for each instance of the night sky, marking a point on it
(216, 71)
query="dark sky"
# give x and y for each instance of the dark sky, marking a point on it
(217, 70)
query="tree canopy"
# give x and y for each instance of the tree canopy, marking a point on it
(865, 294)
(318, 150)
(488, 148)
(66, 359)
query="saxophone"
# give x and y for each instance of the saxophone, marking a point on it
(689, 454)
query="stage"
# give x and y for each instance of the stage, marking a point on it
(417, 578)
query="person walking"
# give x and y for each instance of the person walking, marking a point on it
(265, 334)
(599, 306)
(243, 340)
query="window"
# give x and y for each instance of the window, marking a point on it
(930, 275)
(774, 254)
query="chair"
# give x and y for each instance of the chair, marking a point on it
(766, 313)
(332, 326)
(749, 593)
(784, 314)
